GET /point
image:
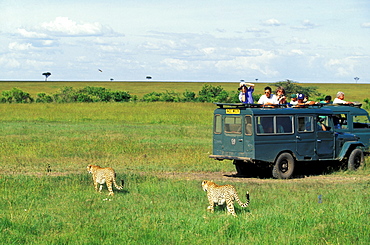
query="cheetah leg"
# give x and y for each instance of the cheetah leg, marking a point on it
(211, 207)
(109, 185)
(230, 209)
(100, 188)
(96, 186)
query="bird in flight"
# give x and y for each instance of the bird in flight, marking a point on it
(100, 70)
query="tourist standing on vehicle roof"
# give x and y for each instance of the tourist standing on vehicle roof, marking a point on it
(268, 98)
(245, 95)
(303, 100)
(280, 96)
(293, 100)
(327, 100)
(340, 99)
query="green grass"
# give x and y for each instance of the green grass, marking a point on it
(143, 141)
(151, 210)
(353, 92)
(133, 136)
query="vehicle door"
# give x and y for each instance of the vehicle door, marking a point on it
(325, 137)
(232, 133)
(305, 137)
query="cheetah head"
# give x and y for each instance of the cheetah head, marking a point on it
(205, 185)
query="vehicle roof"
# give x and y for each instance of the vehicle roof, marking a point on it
(346, 108)
(255, 109)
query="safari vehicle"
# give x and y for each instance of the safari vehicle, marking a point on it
(352, 119)
(279, 138)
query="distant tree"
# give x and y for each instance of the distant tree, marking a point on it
(148, 77)
(46, 74)
(292, 87)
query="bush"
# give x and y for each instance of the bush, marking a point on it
(166, 97)
(90, 94)
(65, 95)
(120, 96)
(44, 98)
(15, 96)
(210, 93)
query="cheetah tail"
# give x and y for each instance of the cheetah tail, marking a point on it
(118, 187)
(243, 205)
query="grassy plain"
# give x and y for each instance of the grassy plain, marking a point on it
(353, 92)
(147, 144)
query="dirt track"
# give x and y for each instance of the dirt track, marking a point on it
(230, 177)
(223, 176)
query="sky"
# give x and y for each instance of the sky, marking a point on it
(192, 40)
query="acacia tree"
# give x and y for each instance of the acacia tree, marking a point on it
(46, 74)
(292, 87)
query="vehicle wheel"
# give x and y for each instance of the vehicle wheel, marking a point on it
(284, 166)
(355, 159)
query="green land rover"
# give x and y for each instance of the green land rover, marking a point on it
(280, 138)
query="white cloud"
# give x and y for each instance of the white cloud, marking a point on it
(261, 64)
(296, 40)
(177, 64)
(366, 25)
(30, 34)
(9, 62)
(305, 25)
(65, 26)
(271, 22)
(19, 46)
(297, 51)
(342, 67)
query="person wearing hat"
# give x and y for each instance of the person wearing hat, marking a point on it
(303, 100)
(293, 100)
(245, 95)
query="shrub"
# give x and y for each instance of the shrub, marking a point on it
(151, 97)
(90, 94)
(120, 96)
(210, 93)
(44, 98)
(16, 95)
(65, 95)
(188, 96)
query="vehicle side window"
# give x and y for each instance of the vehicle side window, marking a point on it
(360, 122)
(340, 121)
(217, 124)
(323, 123)
(274, 124)
(233, 125)
(248, 125)
(305, 124)
(284, 124)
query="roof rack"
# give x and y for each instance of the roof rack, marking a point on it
(269, 106)
(274, 106)
(355, 104)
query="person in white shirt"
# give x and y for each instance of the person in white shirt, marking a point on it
(340, 99)
(268, 98)
(293, 99)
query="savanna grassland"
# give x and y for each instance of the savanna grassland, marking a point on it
(161, 151)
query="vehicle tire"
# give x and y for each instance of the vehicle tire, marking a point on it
(284, 166)
(355, 159)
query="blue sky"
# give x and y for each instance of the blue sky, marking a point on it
(305, 41)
